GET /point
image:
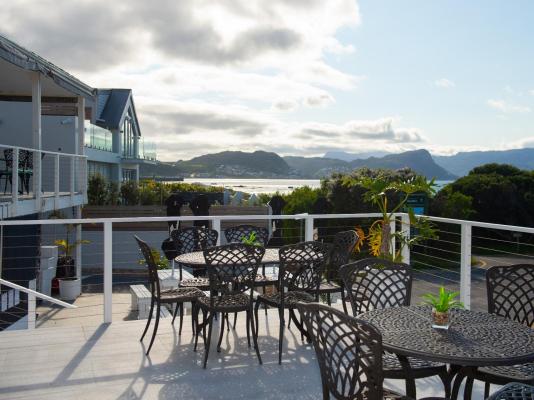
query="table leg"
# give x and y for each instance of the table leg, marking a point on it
(468, 390)
(458, 374)
(456, 378)
(409, 378)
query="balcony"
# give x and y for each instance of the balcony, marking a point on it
(44, 181)
(94, 350)
(147, 150)
(98, 138)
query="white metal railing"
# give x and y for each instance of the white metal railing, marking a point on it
(32, 296)
(464, 243)
(41, 174)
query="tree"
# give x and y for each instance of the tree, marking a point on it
(345, 192)
(450, 204)
(497, 193)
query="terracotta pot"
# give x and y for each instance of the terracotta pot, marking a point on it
(440, 319)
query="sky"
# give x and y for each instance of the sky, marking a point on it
(300, 77)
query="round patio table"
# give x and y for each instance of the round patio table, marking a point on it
(474, 339)
(196, 258)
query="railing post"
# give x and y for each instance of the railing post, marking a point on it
(465, 266)
(31, 305)
(82, 163)
(405, 229)
(216, 225)
(72, 176)
(37, 178)
(15, 177)
(56, 179)
(37, 137)
(108, 271)
(308, 229)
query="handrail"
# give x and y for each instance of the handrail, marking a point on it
(256, 217)
(43, 151)
(260, 217)
(36, 294)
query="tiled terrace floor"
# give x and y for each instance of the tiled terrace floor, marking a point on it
(108, 362)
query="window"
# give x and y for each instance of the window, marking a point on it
(128, 174)
(99, 168)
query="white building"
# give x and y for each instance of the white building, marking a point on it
(60, 130)
(54, 132)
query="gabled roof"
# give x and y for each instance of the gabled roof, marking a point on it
(28, 60)
(111, 106)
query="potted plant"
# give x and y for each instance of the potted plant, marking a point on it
(441, 307)
(251, 240)
(69, 283)
(161, 262)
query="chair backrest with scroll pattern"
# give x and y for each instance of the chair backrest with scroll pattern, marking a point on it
(375, 283)
(349, 352)
(511, 292)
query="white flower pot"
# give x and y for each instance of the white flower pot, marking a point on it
(70, 289)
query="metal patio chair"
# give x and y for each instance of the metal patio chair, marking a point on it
(510, 291)
(300, 272)
(232, 271)
(514, 391)
(349, 354)
(168, 296)
(342, 247)
(192, 239)
(373, 284)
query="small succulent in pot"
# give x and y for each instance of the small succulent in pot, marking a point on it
(441, 306)
(251, 240)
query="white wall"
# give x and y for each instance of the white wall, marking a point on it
(58, 132)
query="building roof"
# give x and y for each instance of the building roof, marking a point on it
(28, 60)
(111, 106)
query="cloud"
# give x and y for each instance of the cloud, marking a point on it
(531, 92)
(507, 108)
(187, 129)
(444, 83)
(320, 99)
(375, 130)
(285, 105)
(214, 33)
(193, 118)
(219, 51)
(524, 143)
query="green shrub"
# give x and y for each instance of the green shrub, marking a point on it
(113, 197)
(130, 193)
(97, 190)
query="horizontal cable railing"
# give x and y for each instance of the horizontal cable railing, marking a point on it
(109, 264)
(44, 177)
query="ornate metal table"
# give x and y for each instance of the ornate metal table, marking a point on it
(196, 258)
(474, 339)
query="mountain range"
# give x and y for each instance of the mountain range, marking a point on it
(461, 163)
(343, 155)
(263, 164)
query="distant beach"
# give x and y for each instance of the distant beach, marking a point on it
(258, 186)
